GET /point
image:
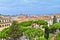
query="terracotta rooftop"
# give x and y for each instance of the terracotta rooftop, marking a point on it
(45, 17)
(57, 15)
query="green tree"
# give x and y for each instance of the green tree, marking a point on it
(54, 27)
(41, 22)
(3, 33)
(46, 35)
(29, 34)
(32, 33)
(14, 31)
(26, 23)
(57, 36)
(54, 20)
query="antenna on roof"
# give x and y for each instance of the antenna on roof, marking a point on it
(21, 13)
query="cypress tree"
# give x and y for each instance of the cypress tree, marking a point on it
(46, 35)
(54, 20)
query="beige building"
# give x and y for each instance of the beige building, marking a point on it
(4, 22)
(58, 17)
(49, 19)
(22, 18)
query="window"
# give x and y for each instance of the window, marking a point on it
(0, 21)
(9, 24)
(5, 25)
(0, 25)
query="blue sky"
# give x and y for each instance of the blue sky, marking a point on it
(13, 7)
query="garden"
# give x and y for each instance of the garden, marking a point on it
(25, 29)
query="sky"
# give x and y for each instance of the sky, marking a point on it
(13, 7)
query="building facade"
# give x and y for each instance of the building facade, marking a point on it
(22, 18)
(58, 17)
(47, 18)
(4, 22)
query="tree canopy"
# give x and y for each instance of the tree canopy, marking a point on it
(3, 33)
(33, 32)
(26, 23)
(55, 26)
(15, 30)
(41, 22)
(57, 36)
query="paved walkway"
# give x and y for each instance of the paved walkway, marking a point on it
(53, 37)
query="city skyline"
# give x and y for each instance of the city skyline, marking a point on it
(13, 7)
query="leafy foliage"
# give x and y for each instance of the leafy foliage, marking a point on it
(58, 36)
(3, 33)
(55, 26)
(26, 23)
(41, 22)
(46, 35)
(14, 31)
(33, 32)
